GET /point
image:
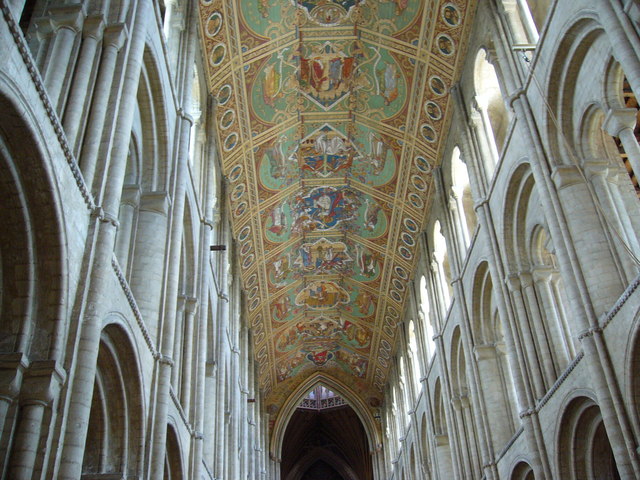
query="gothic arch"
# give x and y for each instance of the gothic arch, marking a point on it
(522, 471)
(325, 455)
(353, 399)
(173, 465)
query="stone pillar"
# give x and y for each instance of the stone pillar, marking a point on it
(66, 22)
(40, 391)
(621, 123)
(130, 202)
(113, 39)
(523, 326)
(187, 355)
(75, 108)
(177, 345)
(149, 257)
(12, 367)
(99, 281)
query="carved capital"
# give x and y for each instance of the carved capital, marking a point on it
(619, 119)
(513, 283)
(157, 202)
(93, 26)
(566, 175)
(115, 35)
(67, 16)
(42, 382)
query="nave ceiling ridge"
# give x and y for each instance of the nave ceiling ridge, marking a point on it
(330, 117)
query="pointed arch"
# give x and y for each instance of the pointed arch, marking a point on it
(286, 412)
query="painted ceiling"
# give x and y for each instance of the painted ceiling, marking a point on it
(330, 117)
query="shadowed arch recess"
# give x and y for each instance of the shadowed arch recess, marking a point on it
(329, 120)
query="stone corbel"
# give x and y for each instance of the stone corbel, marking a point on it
(619, 119)
(12, 368)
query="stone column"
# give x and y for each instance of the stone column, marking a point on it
(177, 345)
(522, 325)
(187, 364)
(75, 108)
(12, 367)
(66, 22)
(113, 39)
(99, 281)
(40, 390)
(129, 205)
(149, 257)
(621, 123)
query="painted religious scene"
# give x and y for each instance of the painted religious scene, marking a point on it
(329, 170)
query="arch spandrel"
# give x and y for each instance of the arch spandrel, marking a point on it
(329, 119)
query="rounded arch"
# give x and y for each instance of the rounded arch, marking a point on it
(174, 465)
(520, 187)
(353, 399)
(583, 448)
(33, 254)
(522, 471)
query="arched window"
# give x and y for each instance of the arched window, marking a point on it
(462, 198)
(425, 313)
(494, 117)
(441, 266)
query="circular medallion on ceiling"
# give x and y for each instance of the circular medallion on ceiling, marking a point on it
(240, 209)
(398, 285)
(244, 233)
(450, 15)
(252, 293)
(213, 25)
(419, 183)
(246, 248)
(395, 296)
(251, 281)
(230, 142)
(428, 133)
(405, 253)
(401, 272)
(433, 110)
(415, 200)
(227, 119)
(408, 240)
(254, 303)
(423, 164)
(235, 173)
(445, 45)
(217, 54)
(248, 261)
(238, 192)
(437, 86)
(224, 94)
(410, 225)
(257, 320)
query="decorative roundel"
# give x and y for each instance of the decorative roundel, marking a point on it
(246, 248)
(238, 192)
(206, 3)
(385, 346)
(253, 292)
(401, 272)
(230, 142)
(257, 320)
(244, 233)
(393, 312)
(432, 109)
(227, 119)
(217, 54)
(419, 183)
(390, 321)
(408, 240)
(254, 303)
(410, 225)
(224, 94)
(405, 253)
(240, 209)
(437, 86)
(450, 15)
(235, 173)
(398, 284)
(422, 164)
(396, 296)
(213, 25)
(415, 200)
(248, 261)
(445, 45)
(383, 361)
(251, 281)
(428, 133)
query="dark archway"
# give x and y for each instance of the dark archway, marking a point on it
(325, 440)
